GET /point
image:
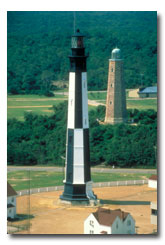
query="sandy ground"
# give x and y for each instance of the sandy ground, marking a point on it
(52, 217)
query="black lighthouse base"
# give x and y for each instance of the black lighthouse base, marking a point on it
(75, 194)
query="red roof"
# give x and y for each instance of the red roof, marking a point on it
(107, 217)
(153, 177)
(103, 232)
(10, 191)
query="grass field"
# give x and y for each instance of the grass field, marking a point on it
(19, 104)
(143, 104)
(21, 180)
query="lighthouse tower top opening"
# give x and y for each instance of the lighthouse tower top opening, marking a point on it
(116, 54)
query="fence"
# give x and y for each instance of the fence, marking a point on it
(99, 184)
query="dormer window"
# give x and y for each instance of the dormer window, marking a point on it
(128, 222)
(91, 223)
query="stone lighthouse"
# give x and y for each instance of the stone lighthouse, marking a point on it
(77, 183)
(116, 98)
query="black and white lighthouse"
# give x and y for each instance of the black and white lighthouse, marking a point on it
(77, 183)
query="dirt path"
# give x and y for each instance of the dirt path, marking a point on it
(52, 217)
(94, 103)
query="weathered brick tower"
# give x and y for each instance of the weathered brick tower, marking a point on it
(116, 99)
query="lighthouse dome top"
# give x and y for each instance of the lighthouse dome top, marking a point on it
(116, 53)
(78, 34)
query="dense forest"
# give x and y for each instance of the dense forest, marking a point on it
(39, 45)
(41, 139)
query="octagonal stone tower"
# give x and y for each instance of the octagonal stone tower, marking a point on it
(116, 98)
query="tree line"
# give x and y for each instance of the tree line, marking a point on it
(39, 45)
(41, 140)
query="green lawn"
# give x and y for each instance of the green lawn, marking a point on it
(142, 104)
(34, 96)
(41, 105)
(21, 180)
(97, 95)
(134, 103)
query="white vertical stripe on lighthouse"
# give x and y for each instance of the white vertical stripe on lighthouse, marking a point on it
(66, 158)
(84, 101)
(71, 100)
(78, 167)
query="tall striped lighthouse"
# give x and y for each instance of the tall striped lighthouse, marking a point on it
(77, 183)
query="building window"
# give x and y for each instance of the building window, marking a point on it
(91, 223)
(153, 211)
(110, 102)
(12, 199)
(128, 222)
(111, 85)
(9, 211)
(91, 232)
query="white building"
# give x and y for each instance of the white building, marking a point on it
(106, 221)
(11, 202)
(154, 213)
(152, 182)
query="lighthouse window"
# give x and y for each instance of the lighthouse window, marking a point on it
(74, 42)
(77, 42)
(112, 69)
(111, 85)
(71, 102)
(110, 102)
